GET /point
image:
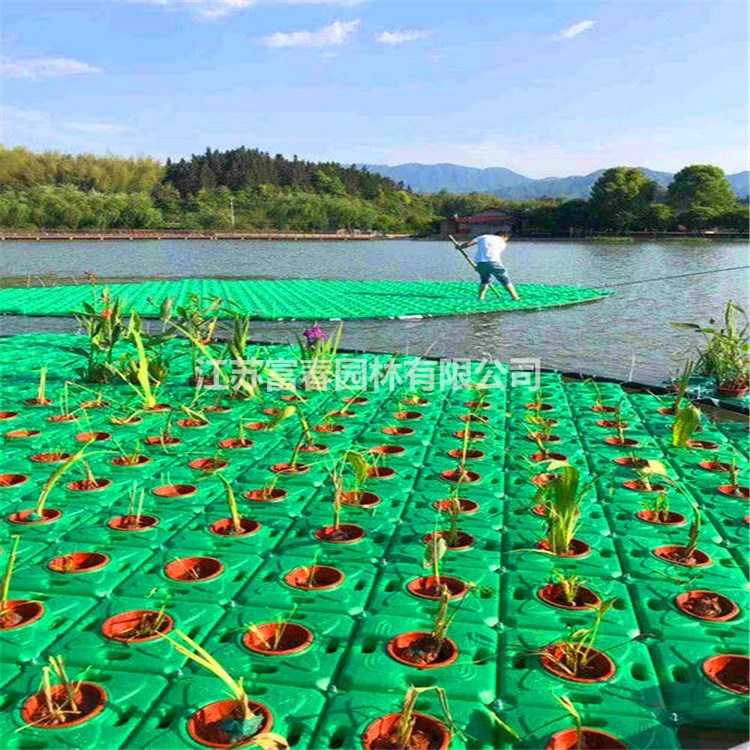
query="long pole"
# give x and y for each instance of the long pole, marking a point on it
(463, 252)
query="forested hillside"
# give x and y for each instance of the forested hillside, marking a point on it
(248, 189)
(242, 189)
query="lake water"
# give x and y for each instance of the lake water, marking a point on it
(625, 336)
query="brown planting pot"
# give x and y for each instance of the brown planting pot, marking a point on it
(265, 639)
(409, 649)
(427, 733)
(90, 699)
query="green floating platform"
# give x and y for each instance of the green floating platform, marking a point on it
(303, 299)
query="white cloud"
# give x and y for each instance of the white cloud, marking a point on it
(575, 29)
(343, 3)
(401, 37)
(99, 128)
(210, 10)
(19, 123)
(207, 9)
(333, 35)
(35, 69)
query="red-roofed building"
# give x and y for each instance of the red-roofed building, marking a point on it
(488, 221)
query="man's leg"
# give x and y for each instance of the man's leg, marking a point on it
(484, 279)
(512, 291)
(502, 276)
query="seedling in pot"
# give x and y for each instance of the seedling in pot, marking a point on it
(656, 509)
(453, 536)
(599, 405)
(568, 590)
(435, 550)
(239, 442)
(238, 525)
(279, 638)
(197, 320)
(733, 488)
(165, 438)
(410, 730)
(292, 466)
(307, 441)
(97, 402)
(646, 470)
(339, 533)
(538, 404)
(41, 391)
(433, 648)
(684, 425)
(135, 458)
(580, 738)
(680, 384)
(126, 416)
(16, 613)
(563, 514)
(432, 587)
(134, 519)
(280, 416)
(104, 328)
(689, 554)
(575, 658)
(541, 430)
(147, 370)
(619, 423)
(65, 704)
(478, 401)
(89, 483)
(460, 475)
(318, 352)
(412, 398)
(38, 513)
(65, 415)
(193, 417)
(224, 723)
(269, 492)
(141, 625)
(724, 356)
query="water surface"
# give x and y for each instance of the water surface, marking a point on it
(625, 336)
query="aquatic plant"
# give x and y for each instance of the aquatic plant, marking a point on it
(564, 498)
(103, 325)
(685, 423)
(317, 353)
(573, 655)
(725, 355)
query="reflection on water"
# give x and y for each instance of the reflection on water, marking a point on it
(625, 336)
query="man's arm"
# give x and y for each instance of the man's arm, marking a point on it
(468, 244)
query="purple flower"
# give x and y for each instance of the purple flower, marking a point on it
(314, 335)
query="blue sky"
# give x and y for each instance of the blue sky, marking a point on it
(543, 88)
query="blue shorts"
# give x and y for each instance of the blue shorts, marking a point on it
(486, 269)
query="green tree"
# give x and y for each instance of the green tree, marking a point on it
(737, 219)
(658, 217)
(574, 213)
(619, 197)
(698, 218)
(701, 185)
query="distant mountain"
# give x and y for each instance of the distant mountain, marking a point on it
(740, 183)
(431, 178)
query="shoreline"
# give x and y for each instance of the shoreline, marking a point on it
(187, 234)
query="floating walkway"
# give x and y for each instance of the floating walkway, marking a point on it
(674, 642)
(303, 299)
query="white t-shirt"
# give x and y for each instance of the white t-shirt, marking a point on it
(489, 248)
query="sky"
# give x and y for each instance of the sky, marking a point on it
(543, 88)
